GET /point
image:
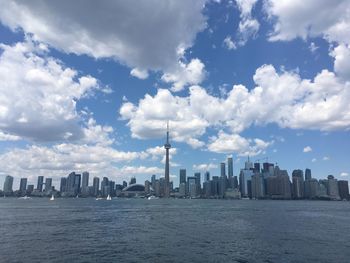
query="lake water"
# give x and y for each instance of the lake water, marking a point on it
(173, 230)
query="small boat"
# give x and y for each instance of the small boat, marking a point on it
(25, 197)
(109, 197)
(152, 197)
(99, 198)
(52, 198)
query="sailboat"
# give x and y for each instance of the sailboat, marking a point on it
(109, 197)
(52, 198)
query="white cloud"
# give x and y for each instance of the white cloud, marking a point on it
(204, 166)
(234, 143)
(38, 94)
(298, 18)
(314, 160)
(159, 152)
(344, 174)
(248, 27)
(60, 159)
(229, 44)
(307, 149)
(325, 158)
(139, 73)
(318, 104)
(341, 56)
(8, 137)
(192, 73)
(147, 37)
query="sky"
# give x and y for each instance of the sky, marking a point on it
(90, 86)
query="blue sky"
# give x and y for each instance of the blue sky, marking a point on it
(90, 86)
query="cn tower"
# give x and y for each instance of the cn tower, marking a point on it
(167, 146)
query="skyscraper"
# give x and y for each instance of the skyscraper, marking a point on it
(23, 186)
(222, 169)
(206, 176)
(39, 186)
(307, 174)
(167, 146)
(343, 189)
(95, 185)
(230, 167)
(182, 176)
(63, 185)
(8, 184)
(85, 183)
(48, 184)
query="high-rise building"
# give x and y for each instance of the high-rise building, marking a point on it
(63, 185)
(85, 183)
(222, 169)
(256, 167)
(258, 189)
(343, 189)
(70, 183)
(230, 167)
(192, 186)
(132, 180)
(182, 176)
(48, 184)
(8, 184)
(198, 182)
(39, 186)
(77, 181)
(95, 185)
(298, 184)
(333, 190)
(206, 176)
(23, 186)
(307, 174)
(153, 180)
(167, 147)
(104, 186)
(147, 187)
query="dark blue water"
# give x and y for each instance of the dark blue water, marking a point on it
(137, 230)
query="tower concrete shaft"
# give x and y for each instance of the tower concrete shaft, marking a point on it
(167, 146)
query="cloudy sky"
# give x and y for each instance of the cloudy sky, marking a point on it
(89, 86)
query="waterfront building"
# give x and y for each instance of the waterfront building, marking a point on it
(8, 184)
(104, 187)
(132, 180)
(40, 183)
(215, 186)
(245, 181)
(182, 176)
(222, 169)
(307, 174)
(258, 187)
(230, 167)
(182, 189)
(333, 190)
(192, 186)
(48, 185)
(95, 186)
(147, 187)
(85, 183)
(297, 184)
(206, 176)
(63, 185)
(157, 191)
(30, 188)
(198, 183)
(23, 186)
(343, 189)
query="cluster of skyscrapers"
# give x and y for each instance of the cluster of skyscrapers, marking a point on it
(73, 185)
(254, 182)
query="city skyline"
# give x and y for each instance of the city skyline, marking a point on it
(232, 78)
